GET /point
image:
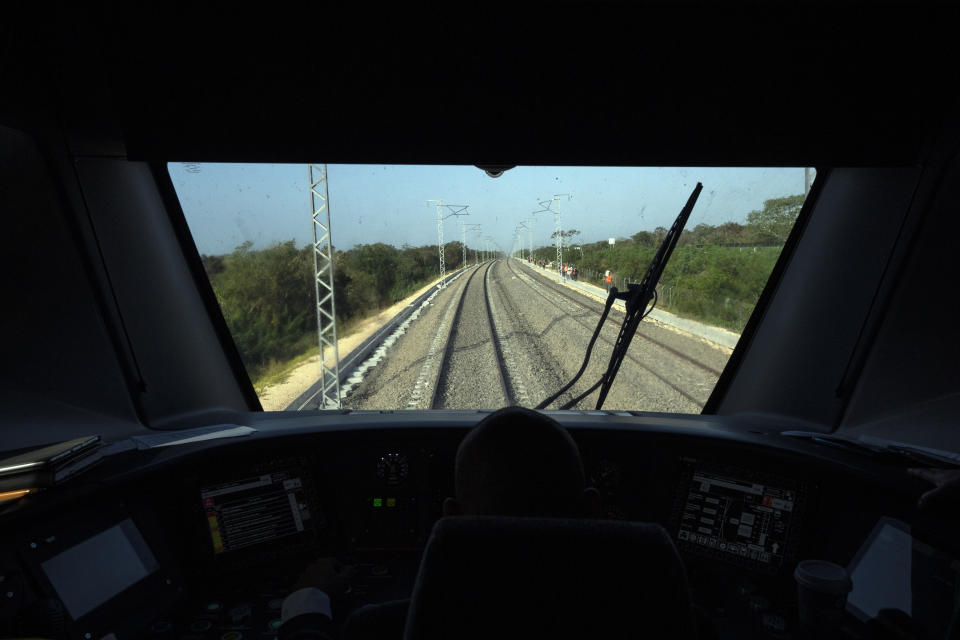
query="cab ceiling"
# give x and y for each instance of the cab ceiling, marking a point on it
(565, 83)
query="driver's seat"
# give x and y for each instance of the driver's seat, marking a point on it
(495, 577)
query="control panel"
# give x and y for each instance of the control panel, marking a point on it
(737, 516)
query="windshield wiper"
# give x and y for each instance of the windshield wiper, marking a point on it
(871, 445)
(636, 299)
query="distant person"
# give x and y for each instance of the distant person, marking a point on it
(608, 280)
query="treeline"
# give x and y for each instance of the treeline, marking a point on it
(716, 274)
(268, 300)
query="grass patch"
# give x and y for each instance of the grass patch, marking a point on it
(277, 371)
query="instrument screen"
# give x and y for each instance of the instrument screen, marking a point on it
(744, 518)
(258, 509)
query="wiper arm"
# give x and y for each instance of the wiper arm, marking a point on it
(871, 445)
(636, 299)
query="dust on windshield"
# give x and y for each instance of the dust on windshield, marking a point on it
(439, 287)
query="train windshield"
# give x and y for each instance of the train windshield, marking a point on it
(444, 287)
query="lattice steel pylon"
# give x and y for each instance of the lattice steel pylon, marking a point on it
(455, 210)
(323, 281)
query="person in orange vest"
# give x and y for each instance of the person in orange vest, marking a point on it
(608, 280)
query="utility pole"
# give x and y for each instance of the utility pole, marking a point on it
(475, 228)
(463, 242)
(530, 239)
(556, 211)
(455, 210)
(544, 208)
(550, 207)
(806, 181)
(523, 225)
(323, 286)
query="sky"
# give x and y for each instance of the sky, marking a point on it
(229, 204)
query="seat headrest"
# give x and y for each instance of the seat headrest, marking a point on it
(487, 577)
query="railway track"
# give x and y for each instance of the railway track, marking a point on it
(446, 368)
(597, 309)
(425, 388)
(589, 328)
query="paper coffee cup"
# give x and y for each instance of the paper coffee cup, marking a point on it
(822, 589)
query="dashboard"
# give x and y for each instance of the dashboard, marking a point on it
(213, 535)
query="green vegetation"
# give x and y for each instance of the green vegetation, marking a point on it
(716, 273)
(268, 300)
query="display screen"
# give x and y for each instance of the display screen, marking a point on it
(256, 510)
(735, 517)
(89, 574)
(904, 582)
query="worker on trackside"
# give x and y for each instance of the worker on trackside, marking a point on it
(608, 280)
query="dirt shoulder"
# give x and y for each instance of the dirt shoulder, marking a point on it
(278, 397)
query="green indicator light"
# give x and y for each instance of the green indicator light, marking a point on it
(275, 624)
(378, 502)
(213, 606)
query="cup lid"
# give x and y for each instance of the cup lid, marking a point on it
(823, 576)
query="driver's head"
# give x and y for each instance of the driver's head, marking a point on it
(517, 462)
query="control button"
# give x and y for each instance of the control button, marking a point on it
(161, 626)
(199, 626)
(232, 635)
(273, 625)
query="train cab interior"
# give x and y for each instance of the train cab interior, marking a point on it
(837, 411)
